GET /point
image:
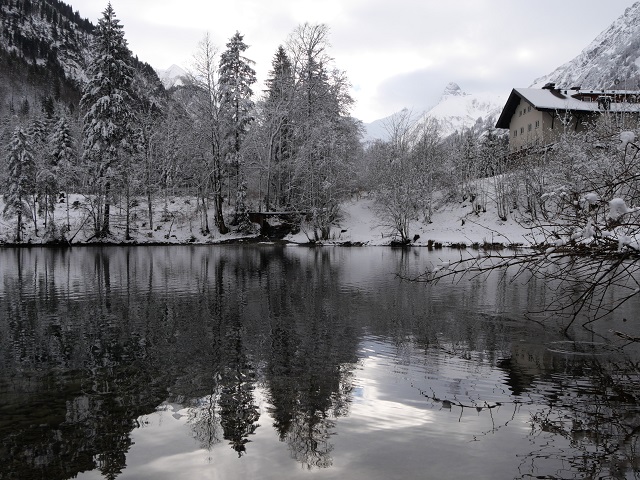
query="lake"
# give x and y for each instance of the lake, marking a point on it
(272, 362)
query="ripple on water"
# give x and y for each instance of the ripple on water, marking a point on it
(581, 348)
(435, 376)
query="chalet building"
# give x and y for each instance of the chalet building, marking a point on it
(537, 117)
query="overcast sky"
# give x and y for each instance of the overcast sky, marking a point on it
(397, 54)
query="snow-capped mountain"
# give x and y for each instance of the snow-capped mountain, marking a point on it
(458, 110)
(380, 129)
(455, 111)
(172, 76)
(612, 60)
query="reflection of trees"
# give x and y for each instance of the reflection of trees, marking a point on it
(238, 411)
(589, 423)
(305, 380)
(96, 339)
(73, 380)
(312, 347)
(217, 380)
(205, 421)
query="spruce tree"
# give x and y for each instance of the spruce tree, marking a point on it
(236, 77)
(20, 183)
(107, 99)
(277, 113)
(63, 157)
(46, 182)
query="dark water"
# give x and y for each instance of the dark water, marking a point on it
(274, 363)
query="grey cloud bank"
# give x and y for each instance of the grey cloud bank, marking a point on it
(399, 54)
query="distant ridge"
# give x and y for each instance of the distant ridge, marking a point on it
(611, 60)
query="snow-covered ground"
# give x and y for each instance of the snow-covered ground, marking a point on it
(452, 223)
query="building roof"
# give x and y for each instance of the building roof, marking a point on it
(572, 100)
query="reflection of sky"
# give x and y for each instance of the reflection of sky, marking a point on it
(394, 429)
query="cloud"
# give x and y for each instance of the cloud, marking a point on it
(396, 54)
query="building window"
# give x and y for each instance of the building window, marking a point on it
(521, 130)
(537, 123)
(529, 128)
(529, 109)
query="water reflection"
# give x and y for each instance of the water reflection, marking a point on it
(324, 350)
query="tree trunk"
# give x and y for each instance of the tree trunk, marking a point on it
(66, 198)
(219, 218)
(150, 206)
(106, 224)
(19, 229)
(218, 198)
(35, 216)
(205, 215)
(127, 231)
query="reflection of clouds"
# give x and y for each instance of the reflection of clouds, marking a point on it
(164, 449)
(374, 411)
(390, 428)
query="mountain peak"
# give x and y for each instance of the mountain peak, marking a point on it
(172, 76)
(453, 90)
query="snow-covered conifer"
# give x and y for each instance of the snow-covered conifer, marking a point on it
(107, 102)
(64, 157)
(277, 122)
(20, 184)
(46, 175)
(236, 77)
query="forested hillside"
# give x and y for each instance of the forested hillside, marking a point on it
(43, 51)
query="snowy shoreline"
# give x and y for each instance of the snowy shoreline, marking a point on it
(453, 225)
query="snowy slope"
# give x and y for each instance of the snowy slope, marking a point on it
(458, 110)
(30, 32)
(613, 55)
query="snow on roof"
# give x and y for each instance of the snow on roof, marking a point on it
(565, 100)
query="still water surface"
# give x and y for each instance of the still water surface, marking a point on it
(268, 362)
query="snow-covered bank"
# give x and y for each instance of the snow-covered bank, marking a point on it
(452, 224)
(180, 223)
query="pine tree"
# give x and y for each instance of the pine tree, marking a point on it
(20, 183)
(107, 100)
(236, 77)
(64, 157)
(277, 113)
(46, 182)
